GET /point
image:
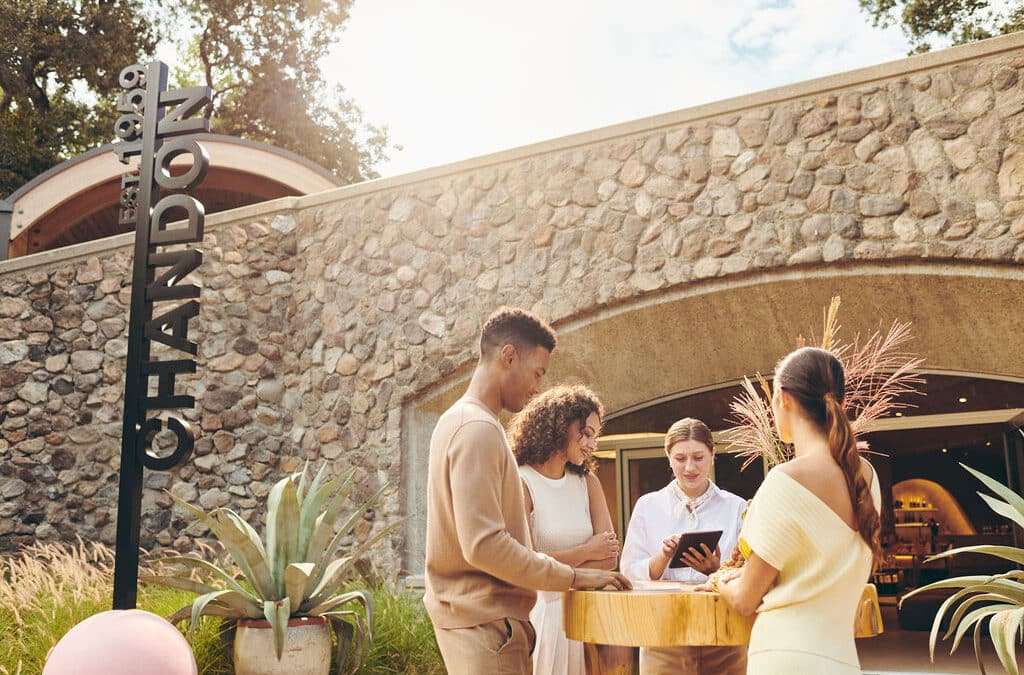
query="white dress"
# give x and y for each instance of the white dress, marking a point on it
(805, 624)
(560, 519)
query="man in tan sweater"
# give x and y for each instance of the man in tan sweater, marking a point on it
(482, 573)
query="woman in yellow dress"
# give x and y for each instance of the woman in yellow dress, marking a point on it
(811, 533)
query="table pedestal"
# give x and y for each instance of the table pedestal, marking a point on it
(611, 659)
(666, 614)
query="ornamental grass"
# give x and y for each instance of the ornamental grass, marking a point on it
(45, 589)
(880, 375)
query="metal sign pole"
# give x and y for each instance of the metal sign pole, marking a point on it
(143, 128)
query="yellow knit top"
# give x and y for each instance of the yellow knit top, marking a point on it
(823, 565)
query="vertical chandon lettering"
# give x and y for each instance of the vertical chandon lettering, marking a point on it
(165, 371)
(190, 100)
(184, 438)
(157, 277)
(176, 320)
(192, 231)
(180, 264)
(195, 173)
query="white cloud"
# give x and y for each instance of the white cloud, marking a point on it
(760, 29)
(459, 78)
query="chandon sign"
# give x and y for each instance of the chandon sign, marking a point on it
(154, 127)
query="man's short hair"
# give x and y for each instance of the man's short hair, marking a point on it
(517, 327)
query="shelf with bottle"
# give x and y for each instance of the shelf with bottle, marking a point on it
(931, 509)
(912, 504)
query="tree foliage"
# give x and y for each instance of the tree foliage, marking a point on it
(60, 61)
(262, 58)
(931, 23)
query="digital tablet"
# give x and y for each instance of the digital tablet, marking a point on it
(694, 539)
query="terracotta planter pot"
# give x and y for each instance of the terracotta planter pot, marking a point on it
(307, 648)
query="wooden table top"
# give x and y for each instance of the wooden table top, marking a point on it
(665, 614)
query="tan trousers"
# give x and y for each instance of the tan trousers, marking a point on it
(501, 647)
(693, 660)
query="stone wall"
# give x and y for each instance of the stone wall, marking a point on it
(324, 318)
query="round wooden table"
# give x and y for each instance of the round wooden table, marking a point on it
(667, 614)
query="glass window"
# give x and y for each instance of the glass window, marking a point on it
(730, 476)
(646, 474)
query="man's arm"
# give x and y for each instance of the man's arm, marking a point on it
(477, 464)
(528, 503)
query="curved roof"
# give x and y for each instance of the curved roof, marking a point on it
(77, 200)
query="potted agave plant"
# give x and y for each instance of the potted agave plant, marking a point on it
(290, 582)
(997, 600)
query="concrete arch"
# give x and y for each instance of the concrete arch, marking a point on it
(707, 335)
(77, 200)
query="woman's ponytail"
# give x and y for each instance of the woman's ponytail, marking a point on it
(843, 445)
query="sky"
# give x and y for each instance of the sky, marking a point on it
(456, 79)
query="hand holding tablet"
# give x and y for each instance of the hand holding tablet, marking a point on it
(693, 549)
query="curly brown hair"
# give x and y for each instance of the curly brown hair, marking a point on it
(541, 429)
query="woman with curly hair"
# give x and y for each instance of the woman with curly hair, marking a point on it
(554, 438)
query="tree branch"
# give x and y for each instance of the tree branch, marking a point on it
(217, 92)
(207, 70)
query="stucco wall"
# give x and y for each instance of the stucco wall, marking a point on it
(325, 318)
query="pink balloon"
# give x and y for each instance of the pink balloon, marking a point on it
(122, 642)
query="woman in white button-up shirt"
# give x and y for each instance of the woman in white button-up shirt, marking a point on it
(690, 503)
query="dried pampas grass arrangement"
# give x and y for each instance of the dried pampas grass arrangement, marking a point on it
(880, 373)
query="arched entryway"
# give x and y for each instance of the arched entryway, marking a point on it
(684, 351)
